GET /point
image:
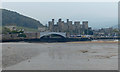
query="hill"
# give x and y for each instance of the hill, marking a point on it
(14, 18)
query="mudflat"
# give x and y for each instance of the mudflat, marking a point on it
(96, 55)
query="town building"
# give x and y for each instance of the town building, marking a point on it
(12, 27)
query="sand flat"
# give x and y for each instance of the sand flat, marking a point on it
(61, 56)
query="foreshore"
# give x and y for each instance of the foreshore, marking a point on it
(60, 56)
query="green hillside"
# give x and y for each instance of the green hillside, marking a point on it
(14, 18)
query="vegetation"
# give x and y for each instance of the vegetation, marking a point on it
(27, 29)
(8, 31)
(14, 18)
(15, 32)
(22, 35)
(116, 30)
(5, 30)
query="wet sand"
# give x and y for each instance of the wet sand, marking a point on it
(96, 55)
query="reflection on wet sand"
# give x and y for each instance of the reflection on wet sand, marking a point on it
(61, 56)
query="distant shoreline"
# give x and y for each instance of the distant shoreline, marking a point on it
(97, 41)
(51, 40)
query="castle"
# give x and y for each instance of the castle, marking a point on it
(69, 27)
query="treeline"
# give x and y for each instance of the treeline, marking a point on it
(14, 18)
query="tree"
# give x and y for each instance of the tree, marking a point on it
(5, 30)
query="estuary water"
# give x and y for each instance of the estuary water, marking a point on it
(97, 55)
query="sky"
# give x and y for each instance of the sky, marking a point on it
(60, 0)
(98, 14)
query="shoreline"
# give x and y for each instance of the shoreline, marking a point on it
(95, 42)
(50, 40)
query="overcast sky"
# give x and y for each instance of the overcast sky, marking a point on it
(98, 14)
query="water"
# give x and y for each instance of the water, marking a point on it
(60, 56)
